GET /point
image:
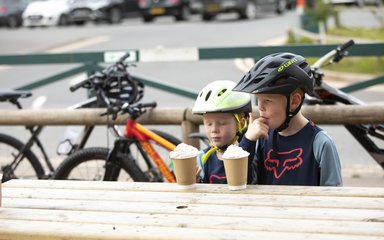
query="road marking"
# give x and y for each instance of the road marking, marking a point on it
(77, 78)
(244, 64)
(163, 54)
(39, 102)
(4, 67)
(79, 44)
(70, 47)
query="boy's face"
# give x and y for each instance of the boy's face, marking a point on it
(221, 128)
(272, 107)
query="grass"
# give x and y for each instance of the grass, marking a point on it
(367, 33)
(366, 65)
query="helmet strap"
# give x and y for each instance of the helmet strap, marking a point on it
(240, 127)
(288, 116)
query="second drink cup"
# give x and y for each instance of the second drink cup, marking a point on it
(236, 167)
(184, 163)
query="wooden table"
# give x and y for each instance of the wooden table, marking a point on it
(46, 209)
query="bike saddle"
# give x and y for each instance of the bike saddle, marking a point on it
(9, 94)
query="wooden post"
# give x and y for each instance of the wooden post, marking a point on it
(188, 128)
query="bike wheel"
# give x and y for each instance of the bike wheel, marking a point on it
(28, 167)
(147, 166)
(90, 164)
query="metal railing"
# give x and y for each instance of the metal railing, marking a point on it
(90, 61)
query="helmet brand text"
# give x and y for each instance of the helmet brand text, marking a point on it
(287, 64)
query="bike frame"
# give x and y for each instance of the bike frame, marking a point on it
(328, 95)
(144, 135)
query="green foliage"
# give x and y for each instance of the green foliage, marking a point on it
(358, 32)
(321, 12)
(368, 65)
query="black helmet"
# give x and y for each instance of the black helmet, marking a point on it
(280, 73)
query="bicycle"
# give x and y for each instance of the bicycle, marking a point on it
(328, 95)
(139, 151)
(107, 163)
(17, 158)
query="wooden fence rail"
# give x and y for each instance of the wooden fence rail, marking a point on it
(337, 114)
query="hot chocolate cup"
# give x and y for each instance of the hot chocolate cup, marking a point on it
(185, 171)
(236, 170)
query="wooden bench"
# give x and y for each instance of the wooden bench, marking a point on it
(47, 209)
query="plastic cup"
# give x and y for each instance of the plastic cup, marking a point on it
(185, 171)
(236, 170)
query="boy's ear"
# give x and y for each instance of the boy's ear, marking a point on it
(296, 97)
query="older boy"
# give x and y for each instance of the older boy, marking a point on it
(286, 148)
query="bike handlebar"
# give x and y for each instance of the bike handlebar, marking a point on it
(336, 54)
(134, 110)
(346, 45)
(119, 64)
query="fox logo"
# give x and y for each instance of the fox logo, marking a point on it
(217, 179)
(289, 160)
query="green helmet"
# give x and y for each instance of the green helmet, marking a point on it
(218, 96)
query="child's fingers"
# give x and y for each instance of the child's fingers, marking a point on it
(251, 117)
(198, 170)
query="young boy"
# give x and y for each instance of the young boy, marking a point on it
(285, 147)
(225, 116)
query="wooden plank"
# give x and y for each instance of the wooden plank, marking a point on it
(20, 229)
(202, 221)
(198, 198)
(185, 208)
(202, 188)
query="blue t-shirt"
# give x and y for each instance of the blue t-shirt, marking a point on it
(308, 157)
(213, 170)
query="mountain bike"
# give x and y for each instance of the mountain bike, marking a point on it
(17, 160)
(139, 154)
(366, 134)
(137, 144)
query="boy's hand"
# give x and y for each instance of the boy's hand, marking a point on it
(257, 128)
(198, 170)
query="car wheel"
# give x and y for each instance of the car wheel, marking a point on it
(249, 12)
(12, 22)
(281, 6)
(63, 21)
(115, 15)
(208, 16)
(183, 14)
(79, 23)
(147, 18)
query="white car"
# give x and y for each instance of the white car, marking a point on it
(46, 13)
(359, 3)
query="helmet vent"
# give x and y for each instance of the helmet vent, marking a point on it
(221, 92)
(303, 65)
(273, 65)
(208, 95)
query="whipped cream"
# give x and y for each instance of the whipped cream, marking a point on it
(184, 151)
(234, 151)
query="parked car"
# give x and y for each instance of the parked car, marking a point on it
(46, 13)
(112, 11)
(11, 12)
(246, 9)
(150, 9)
(360, 3)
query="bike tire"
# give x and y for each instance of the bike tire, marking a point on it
(89, 164)
(70, 168)
(29, 167)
